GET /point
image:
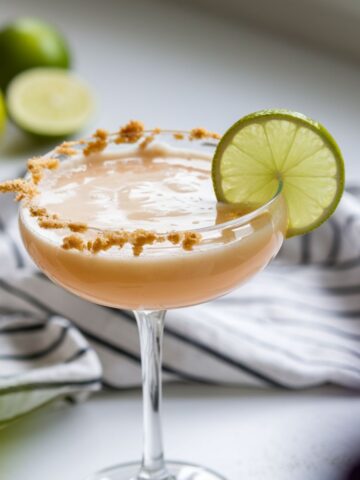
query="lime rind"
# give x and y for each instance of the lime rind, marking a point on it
(307, 160)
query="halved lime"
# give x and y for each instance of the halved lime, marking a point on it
(269, 146)
(49, 102)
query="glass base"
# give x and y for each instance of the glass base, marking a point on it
(177, 471)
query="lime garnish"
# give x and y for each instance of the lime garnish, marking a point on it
(28, 43)
(272, 146)
(49, 102)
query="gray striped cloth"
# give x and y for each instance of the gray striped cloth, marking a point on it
(295, 325)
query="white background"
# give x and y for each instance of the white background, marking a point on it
(172, 65)
(169, 64)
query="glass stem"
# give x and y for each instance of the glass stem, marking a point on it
(151, 327)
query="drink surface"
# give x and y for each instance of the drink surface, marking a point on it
(157, 189)
(160, 189)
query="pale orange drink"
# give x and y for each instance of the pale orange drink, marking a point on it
(160, 188)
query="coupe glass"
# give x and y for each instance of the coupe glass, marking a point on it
(164, 277)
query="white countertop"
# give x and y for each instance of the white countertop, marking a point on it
(170, 66)
(243, 434)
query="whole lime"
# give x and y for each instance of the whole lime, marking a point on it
(28, 43)
(2, 113)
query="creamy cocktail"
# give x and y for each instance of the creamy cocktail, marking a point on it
(131, 220)
(156, 188)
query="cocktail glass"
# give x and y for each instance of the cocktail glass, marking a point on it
(165, 276)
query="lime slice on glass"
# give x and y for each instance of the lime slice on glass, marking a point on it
(269, 146)
(49, 102)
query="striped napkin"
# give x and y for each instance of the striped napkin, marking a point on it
(295, 325)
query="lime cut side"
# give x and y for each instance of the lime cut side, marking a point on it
(49, 102)
(272, 146)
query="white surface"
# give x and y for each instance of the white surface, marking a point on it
(169, 66)
(243, 434)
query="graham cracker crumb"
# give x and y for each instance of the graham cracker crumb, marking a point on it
(73, 242)
(100, 243)
(131, 132)
(190, 239)
(106, 240)
(146, 142)
(50, 222)
(101, 133)
(178, 136)
(23, 188)
(46, 220)
(37, 165)
(118, 239)
(95, 146)
(37, 211)
(138, 239)
(66, 149)
(141, 237)
(78, 227)
(174, 237)
(156, 131)
(201, 133)
(98, 144)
